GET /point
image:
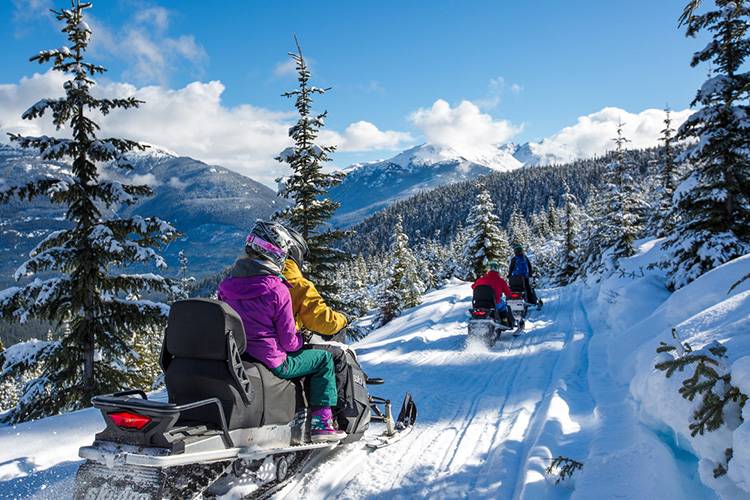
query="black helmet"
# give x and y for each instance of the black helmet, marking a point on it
(270, 240)
(299, 250)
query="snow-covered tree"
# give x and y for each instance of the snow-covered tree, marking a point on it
(663, 218)
(618, 214)
(404, 286)
(98, 353)
(711, 382)
(713, 203)
(308, 186)
(486, 241)
(185, 281)
(571, 222)
(432, 257)
(519, 232)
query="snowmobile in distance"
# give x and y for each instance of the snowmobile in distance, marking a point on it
(517, 302)
(484, 322)
(228, 422)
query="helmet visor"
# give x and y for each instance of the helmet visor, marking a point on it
(269, 247)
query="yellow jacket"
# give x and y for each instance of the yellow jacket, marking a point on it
(309, 309)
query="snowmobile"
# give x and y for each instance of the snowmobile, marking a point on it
(484, 322)
(517, 302)
(228, 421)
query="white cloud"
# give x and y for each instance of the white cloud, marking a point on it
(191, 121)
(464, 128)
(495, 92)
(288, 67)
(594, 133)
(144, 44)
(177, 183)
(364, 136)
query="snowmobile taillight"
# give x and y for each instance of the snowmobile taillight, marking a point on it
(481, 313)
(129, 420)
(514, 295)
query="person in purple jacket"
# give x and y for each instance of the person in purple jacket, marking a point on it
(260, 295)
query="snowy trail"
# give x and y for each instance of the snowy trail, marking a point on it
(489, 421)
(578, 383)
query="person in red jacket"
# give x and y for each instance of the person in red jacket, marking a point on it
(501, 288)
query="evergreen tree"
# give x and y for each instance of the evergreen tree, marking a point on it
(711, 382)
(664, 219)
(404, 286)
(713, 203)
(569, 247)
(485, 243)
(99, 353)
(518, 229)
(185, 281)
(308, 186)
(618, 214)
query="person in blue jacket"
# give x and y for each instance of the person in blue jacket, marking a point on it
(520, 265)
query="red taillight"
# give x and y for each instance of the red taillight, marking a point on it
(129, 420)
(515, 295)
(480, 313)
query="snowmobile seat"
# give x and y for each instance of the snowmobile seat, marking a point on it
(483, 297)
(201, 360)
(517, 285)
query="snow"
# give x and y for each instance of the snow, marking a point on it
(579, 383)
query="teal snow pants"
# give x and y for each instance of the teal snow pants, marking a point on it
(319, 366)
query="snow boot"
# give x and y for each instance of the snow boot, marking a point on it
(321, 427)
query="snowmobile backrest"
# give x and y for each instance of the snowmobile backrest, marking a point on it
(483, 297)
(517, 284)
(197, 329)
(201, 360)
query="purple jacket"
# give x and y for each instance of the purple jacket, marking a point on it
(265, 306)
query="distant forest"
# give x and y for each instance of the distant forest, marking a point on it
(442, 211)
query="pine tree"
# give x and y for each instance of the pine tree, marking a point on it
(185, 281)
(618, 215)
(664, 219)
(569, 248)
(404, 286)
(518, 229)
(98, 353)
(308, 186)
(711, 382)
(486, 242)
(714, 201)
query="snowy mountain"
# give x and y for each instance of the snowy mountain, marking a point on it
(579, 383)
(546, 152)
(213, 206)
(372, 186)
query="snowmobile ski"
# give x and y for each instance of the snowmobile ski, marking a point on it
(395, 430)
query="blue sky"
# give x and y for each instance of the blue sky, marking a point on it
(401, 72)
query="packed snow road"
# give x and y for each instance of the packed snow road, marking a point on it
(490, 420)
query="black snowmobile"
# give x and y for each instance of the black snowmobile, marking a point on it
(517, 302)
(484, 322)
(227, 422)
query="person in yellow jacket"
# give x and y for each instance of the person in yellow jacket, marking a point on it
(310, 311)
